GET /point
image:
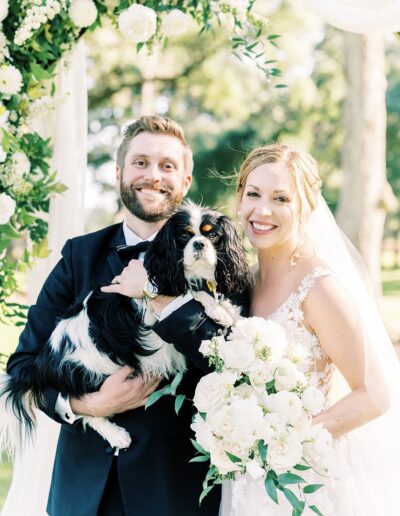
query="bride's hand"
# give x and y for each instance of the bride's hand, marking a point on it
(130, 282)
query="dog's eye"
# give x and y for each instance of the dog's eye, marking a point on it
(212, 234)
(185, 236)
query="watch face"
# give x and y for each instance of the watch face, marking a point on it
(151, 289)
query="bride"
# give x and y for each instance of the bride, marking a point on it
(307, 279)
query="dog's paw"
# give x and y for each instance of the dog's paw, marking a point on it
(220, 316)
(119, 438)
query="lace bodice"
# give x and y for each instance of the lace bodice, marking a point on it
(315, 364)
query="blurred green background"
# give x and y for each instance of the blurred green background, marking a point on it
(226, 107)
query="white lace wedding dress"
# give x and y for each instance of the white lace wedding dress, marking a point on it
(247, 497)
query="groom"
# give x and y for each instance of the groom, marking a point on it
(153, 477)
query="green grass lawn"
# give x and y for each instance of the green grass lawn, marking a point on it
(390, 309)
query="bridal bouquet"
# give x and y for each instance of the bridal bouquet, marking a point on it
(255, 413)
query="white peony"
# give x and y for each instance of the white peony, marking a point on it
(313, 400)
(175, 23)
(287, 376)
(272, 426)
(10, 80)
(212, 390)
(300, 356)
(203, 432)
(237, 354)
(21, 164)
(138, 23)
(286, 404)
(83, 13)
(7, 208)
(221, 422)
(318, 449)
(254, 470)
(284, 451)
(3, 9)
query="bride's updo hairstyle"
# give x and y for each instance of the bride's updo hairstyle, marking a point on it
(302, 167)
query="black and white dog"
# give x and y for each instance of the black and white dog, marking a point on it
(196, 247)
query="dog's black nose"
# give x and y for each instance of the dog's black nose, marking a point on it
(198, 245)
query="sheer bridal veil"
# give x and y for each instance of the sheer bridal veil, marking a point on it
(375, 447)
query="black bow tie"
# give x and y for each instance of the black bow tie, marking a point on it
(131, 252)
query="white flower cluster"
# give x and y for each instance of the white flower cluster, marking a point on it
(10, 80)
(4, 54)
(259, 395)
(7, 208)
(83, 13)
(14, 173)
(139, 23)
(3, 10)
(37, 14)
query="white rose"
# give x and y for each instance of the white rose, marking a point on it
(212, 390)
(10, 80)
(313, 400)
(221, 422)
(138, 23)
(243, 391)
(284, 451)
(220, 459)
(21, 164)
(237, 354)
(287, 375)
(318, 449)
(268, 337)
(83, 13)
(286, 404)
(247, 421)
(7, 208)
(203, 432)
(175, 23)
(272, 426)
(254, 470)
(259, 374)
(3, 9)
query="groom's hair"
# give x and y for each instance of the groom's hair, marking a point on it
(155, 125)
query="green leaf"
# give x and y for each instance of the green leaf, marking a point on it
(302, 467)
(290, 478)
(155, 396)
(59, 188)
(292, 499)
(179, 402)
(316, 510)
(201, 458)
(41, 249)
(198, 447)
(233, 458)
(270, 487)
(280, 85)
(262, 450)
(311, 488)
(40, 73)
(299, 511)
(205, 493)
(176, 381)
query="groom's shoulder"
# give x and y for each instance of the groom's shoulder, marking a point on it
(101, 237)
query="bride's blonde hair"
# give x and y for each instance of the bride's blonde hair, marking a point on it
(302, 167)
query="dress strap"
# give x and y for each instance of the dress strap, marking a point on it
(308, 282)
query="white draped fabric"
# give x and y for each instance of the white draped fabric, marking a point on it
(67, 127)
(362, 16)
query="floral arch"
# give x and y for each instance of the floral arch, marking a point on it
(34, 36)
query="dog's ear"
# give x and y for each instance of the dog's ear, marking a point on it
(164, 262)
(232, 273)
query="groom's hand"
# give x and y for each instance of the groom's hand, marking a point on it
(118, 393)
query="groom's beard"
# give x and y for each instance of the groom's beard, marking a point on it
(170, 202)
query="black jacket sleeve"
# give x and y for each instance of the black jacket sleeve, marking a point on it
(185, 328)
(55, 297)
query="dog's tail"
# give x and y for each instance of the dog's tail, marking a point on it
(17, 415)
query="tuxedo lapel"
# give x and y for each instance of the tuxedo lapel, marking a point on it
(114, 261)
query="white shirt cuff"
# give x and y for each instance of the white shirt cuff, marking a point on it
(175, 304)
(63, 409)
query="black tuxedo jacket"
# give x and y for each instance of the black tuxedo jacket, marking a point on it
(156, 478)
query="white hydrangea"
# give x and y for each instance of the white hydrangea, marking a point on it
(10, 80)
(7, 208)
(3, 9)
(138, 23)
(35, 17)
(175, 23)
(83, 13)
